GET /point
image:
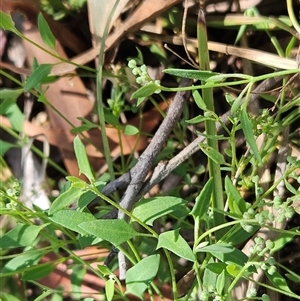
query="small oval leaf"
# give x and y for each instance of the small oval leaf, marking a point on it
(45, 32)
(37, 76)
(175, 243)
(145, 91)
(82, 159)
(139, 277)
(130, 130)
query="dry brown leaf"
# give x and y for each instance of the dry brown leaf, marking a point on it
(147, 11)
(98, 17)
(31, 9)
(67, 95)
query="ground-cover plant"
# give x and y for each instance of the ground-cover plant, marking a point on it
(214, 243)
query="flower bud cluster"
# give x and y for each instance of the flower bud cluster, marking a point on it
(285, 210)
(248, 215)
(267, 124)
(142, 74)
(261, 247)
(12, 193)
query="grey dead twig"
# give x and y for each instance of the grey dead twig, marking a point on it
(135, 180)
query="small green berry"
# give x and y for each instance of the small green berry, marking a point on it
(265, 297)
(132, 64)
(272, 269)
(271, 261)
(252, 292)
(264, 266)
(270, 244)
(144, 69)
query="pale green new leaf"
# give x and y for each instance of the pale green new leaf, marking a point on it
(130, 130)
(110, 289)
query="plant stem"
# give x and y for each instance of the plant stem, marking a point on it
(210, 126)
(100, 106)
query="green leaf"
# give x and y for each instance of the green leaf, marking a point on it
(82, 159)
(236, 203)
(115, 231)
(7, 23)
(5, 146)
(202, 200)
(248, 132)
(37, 76)
(105, 270)
(110, 288)
(148, 210)
(237, 257)
(38, 271)
(15, 116)
(199, 100)
(130, 130)
(209, 278)
(229, 98)
(11, 94)
(70, 219)
(77, 276)
(45, 32)
(220, 283)
(293, 277)
(225, 253)
(193, 74)
(4, 296)
(199, 119)
(20, 236)
(65, 199)
(216, 267)
(233, 269)
(217, 248)
(238, 235)
(145, 91)
(175, 243)
(23, 261)
(139, 277)
(278, 281)
(283, 239)
(211, 153)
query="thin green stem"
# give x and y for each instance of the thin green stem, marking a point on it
(210, 125)
(289, 5)
(100, 104)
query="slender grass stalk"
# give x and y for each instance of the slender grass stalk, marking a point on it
(210, 125)
(289, 5)
(100, 106)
